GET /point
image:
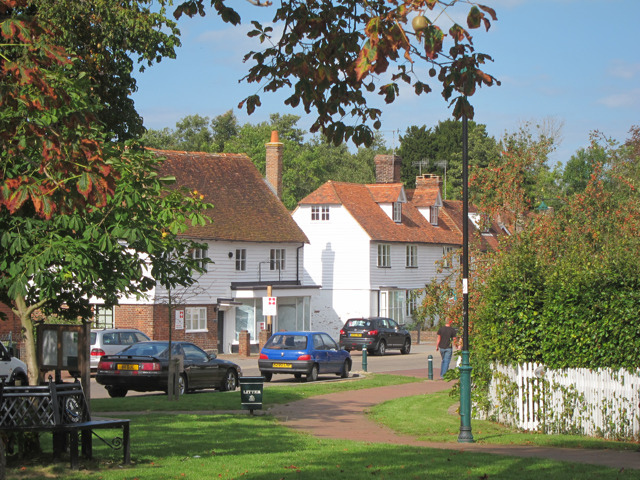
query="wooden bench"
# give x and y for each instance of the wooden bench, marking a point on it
(60, 408)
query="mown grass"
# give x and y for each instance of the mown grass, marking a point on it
(434, 418)
(272, 395)
(232, 446)
(258, 448)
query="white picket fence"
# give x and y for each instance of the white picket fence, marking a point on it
(600, 402)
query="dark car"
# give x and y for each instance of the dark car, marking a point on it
(376, 334)
(144, 367)
(303, 353)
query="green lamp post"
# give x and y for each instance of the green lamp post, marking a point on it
(465, 435)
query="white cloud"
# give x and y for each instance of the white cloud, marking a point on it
(622, 99)
(623, 69)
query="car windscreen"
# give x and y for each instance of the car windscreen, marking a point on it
(358, 323)
(287, 342)
(145, 349)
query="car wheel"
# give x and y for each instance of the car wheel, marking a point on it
(312, 376)
(230, 382)
(267, 376)
(182, 384)
(117, 392)
(406, 348)
(298, 376)
(20, 380)
(382, 347)
(346, 368)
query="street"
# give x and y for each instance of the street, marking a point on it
(392, 361)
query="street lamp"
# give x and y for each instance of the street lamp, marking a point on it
(465, 435)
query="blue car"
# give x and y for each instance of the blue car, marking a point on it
(303, 353)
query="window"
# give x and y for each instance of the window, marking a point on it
(199, 254)
(103, 317)
(241, 259)
(384, 255)
(195, 319)
(397, 212)
(433, 214)
(447, 257)
(411, 302)
(320, 212)
(412, 256)
(276, 259)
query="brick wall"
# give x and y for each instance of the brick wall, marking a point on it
(154, 321)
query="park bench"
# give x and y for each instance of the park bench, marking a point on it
(60, 408)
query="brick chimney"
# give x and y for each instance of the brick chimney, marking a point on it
(428, 180)
(274, 163)
(388, 168)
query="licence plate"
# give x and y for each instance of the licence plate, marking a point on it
(282, 365)
(126, 366)
(355, 334)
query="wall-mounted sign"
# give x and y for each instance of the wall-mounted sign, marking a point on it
(179, 319)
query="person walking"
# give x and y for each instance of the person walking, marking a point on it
(444, 339)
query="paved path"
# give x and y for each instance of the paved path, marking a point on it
(349, 421)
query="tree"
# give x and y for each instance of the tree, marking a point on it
(440, 149)
(563, 291)
(513, 183)
(80, 216)
(224, 128)
(107, 37)
(579, 169)
(330, 54)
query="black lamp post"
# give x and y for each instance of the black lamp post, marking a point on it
(465, 435)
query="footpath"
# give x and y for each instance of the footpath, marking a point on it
(348, 420)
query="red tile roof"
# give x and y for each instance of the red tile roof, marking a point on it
(245, 208)
(487, 241)
(361, 202)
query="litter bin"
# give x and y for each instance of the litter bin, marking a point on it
(251, 389)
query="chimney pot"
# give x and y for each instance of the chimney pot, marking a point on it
(274, 136)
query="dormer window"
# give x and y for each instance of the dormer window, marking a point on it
(433, 215)
(397, 212)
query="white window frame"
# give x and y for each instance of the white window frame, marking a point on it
(241, 259)
(199, 254)
(397, 212)
(411, 302)
(384, 255)
(195, 319)
(277, 258)
(412, 256)
(447, 260)
(320, 213)
(433, 215)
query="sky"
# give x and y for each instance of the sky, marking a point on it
(573, 64)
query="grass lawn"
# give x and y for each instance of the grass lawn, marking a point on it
(273, 394)
(433, 418)
(231, 446)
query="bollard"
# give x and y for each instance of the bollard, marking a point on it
(430, 361)
(364, 359)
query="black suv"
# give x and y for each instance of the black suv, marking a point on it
(376, 334)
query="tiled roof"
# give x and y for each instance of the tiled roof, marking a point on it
(245, 208)
(488, 241)
(360, 201)
(385, 192)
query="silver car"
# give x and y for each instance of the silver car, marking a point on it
(109, 341)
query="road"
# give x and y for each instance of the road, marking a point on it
(393, 360)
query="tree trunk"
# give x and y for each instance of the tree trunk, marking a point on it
(30, 358)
